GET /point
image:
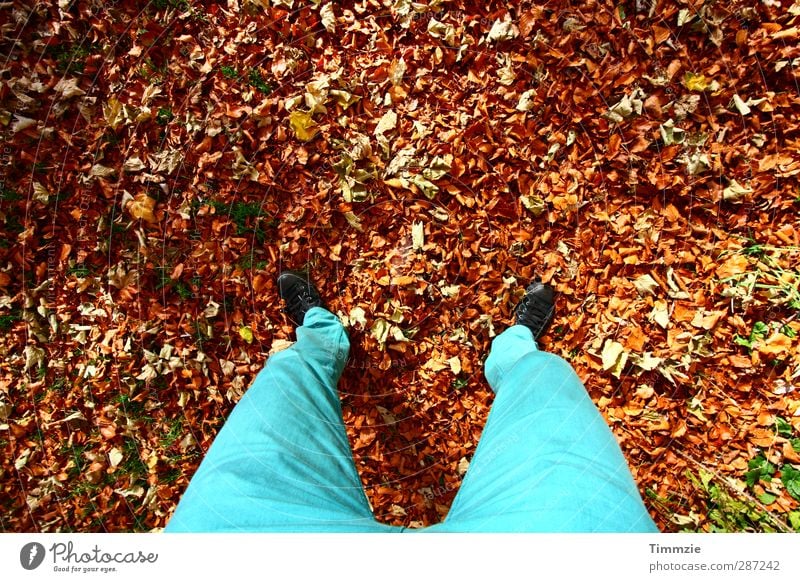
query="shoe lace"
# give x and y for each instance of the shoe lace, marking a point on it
(534, 312)
(539, 308)
(299, 301)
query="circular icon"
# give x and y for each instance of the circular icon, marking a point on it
(31, 555)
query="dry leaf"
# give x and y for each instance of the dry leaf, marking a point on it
(734, 265)
(142, 207)
(303, 125)
(614, 357)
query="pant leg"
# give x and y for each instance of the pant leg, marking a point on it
(282, 461)
(547, 461)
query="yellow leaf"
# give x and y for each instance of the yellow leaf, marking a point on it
(455, 365)
(380, 330)
(386, 123)
(112, 112)
(115, 456)
(646, 285)
(246, 333)
(534, 203)
(646, 361)
(396, 183)
(614, 357)
(354, 221)
(357, 315)
(699, 82)
(142, 207)
(40, 193)
(418, 235)
(303, 125)
(660, 313)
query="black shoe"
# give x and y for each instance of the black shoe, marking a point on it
(299, 294)
(537, 308)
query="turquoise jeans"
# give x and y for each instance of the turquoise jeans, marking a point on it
(546, 462)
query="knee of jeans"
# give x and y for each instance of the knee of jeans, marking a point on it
(500, 362)
(533, 365)
(328, 351)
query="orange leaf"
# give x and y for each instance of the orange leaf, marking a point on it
(661, 34)
(141, 207)
(735, 265)
(777, 344)
(404, 280)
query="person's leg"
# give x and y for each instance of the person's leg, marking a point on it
(547, 461)
(282, 461)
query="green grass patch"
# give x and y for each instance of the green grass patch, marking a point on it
(771, 276)
(81, 271)
(172, 435)
(255, 79)
(71, 58)
(13, 225)
(183, 290)
(164, 116)
(731, 514)
(760, 331)
(460, 383)
(248, 262)
(229, 72)
(246, 216)
(171, 476)
(783, 427)
(164, 4)
(9, 195)
(132, 463)
(759, 469)
(7, 321)
(790, 477)
(133, 409)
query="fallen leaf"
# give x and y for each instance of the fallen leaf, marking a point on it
(328, 17)
(303, 125)
(775, 345)
(503, 30)
(697, 82)
(526, 102)
(646, 361)
(735, 192)
(246, 334)
(418, 235)
(387, 122)
(660, 313)
(736, 264)
(455, 365)
(740, 105)
(646, 285)
(115, 457)
(142, 207)
(614, 357)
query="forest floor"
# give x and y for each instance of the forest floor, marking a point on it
(163, 161)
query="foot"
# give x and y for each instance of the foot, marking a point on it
(299, 293)
(536, 309)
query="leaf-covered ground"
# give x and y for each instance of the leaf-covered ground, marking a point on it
(163, 161)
